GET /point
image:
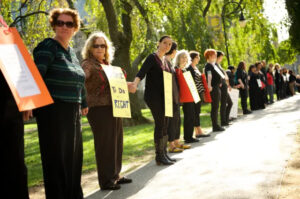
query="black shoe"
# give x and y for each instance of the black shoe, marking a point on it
(193, 140)
(218, 129)
(111, 187)
(165, 138)
(202, 135)
(124, 180)
(247, 112)
(225, 124)
(169, 158)
(160, 157)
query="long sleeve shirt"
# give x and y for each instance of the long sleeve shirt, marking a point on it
(61, 72)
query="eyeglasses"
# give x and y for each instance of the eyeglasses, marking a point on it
(69, 24)
(99, 46)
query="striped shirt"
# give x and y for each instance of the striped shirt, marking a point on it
(198, 81)
(61, 72)
(196, 74)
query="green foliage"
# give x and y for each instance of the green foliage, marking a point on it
(293, 8)
(286, 52)
(183, 20)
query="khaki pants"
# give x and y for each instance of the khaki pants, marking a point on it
(292, 87)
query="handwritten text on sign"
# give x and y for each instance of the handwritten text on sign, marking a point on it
(18, 71)
(168, 94)
(21, 73)
(191, 84)
(119, 91)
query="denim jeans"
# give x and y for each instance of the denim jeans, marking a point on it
(270, 91)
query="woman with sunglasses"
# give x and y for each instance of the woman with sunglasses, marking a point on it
(59, 125)
(107, 130)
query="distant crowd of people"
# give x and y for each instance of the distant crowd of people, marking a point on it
(263, 83)
(83, 89)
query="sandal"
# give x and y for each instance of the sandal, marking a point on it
(175, 150)
(183, 146)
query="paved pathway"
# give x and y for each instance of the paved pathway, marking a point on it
(244, 162)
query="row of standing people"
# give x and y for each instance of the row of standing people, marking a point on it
(77, 89)
(261, 83)
(83, 89)
(212, 87)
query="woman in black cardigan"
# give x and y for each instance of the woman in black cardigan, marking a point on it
(153, 67)
(242, 82)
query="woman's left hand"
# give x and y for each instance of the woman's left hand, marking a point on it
(84, 111)
(131, 87)
(27, 115)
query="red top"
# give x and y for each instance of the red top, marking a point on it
(270, 80)
(184, 91)
(207, 97)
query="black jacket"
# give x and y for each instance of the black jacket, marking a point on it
(241, 74)
(216, 78)
(154, 86)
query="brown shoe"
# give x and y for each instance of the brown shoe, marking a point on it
(175, 150)
(183, 146)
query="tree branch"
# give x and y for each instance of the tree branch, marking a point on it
(126, 21)
(206, 8)
(23, 5)
(112, 21)
(149, 36)
(71, 4)
(22, 17)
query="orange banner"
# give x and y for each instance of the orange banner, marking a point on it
(20, 72)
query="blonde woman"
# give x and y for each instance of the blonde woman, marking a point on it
(107, 130)
(182, 61)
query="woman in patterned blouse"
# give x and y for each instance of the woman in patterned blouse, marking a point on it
(107, 129)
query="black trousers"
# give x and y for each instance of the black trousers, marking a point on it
(189, 120)
(215, 96)
(160, 120)
(174, 124)
(197, 114)
(265, 93)
(244, 96)
(284, 90)
(226, 104)
(278, 91)
(60, 139)
(14, 173)
(108, 140)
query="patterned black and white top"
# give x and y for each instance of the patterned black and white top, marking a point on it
(197, 79)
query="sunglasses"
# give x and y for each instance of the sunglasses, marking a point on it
(99, 46)
(69, 24)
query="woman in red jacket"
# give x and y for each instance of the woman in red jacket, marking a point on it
(186, 98)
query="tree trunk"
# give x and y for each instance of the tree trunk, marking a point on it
(122, 41)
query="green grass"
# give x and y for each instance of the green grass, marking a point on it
(138, 140)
